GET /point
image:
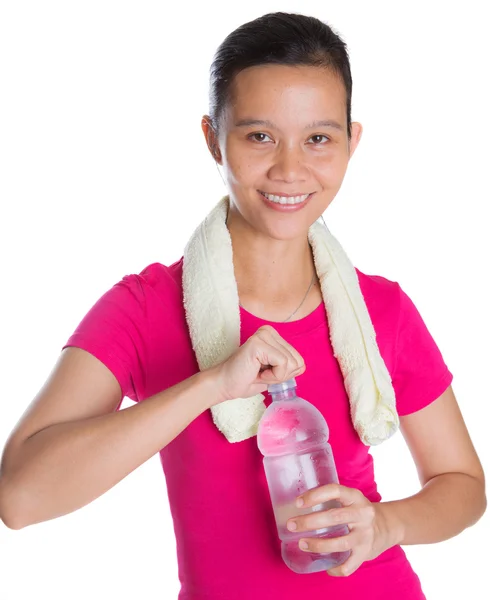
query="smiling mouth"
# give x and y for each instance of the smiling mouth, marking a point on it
(286, 199)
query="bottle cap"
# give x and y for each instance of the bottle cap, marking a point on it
(274, 388)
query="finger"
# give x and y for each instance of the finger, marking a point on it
(276, 363)
(347, 568)
(325, 493)
(272, 338)
(297, 359)
(273, 367)
(291, 350)
(341, 543)
(296, 363)
(272, 362)
(324, 518)
(300, 362)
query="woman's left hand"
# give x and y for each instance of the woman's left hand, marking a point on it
(368, 536)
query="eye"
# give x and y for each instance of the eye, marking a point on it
(319, 138)
(259, 137)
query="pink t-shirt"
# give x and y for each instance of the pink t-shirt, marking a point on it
(227, 544)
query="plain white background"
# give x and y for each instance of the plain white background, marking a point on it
(104, 170)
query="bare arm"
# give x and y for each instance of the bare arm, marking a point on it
(453, 493)
(452, 497)
(70, 447)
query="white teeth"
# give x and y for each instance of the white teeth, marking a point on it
(285, 199)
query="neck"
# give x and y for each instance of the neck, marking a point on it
(272, 275)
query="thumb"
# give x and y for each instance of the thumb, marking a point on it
(273, 374)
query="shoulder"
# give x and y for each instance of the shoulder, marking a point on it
(131, 322)
(382, 297)
(156, 274)
(135, 297)
(415, 362)
(159, 276)
(380, 294)
(156, 280)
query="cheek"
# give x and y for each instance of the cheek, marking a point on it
(330, 168)
(242, 166)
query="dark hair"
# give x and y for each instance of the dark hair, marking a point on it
(282, 39)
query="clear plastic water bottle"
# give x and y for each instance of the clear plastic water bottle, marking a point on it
(293, 437)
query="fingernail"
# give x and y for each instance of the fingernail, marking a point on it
(303, 545)
(300, 502)
(292, 525)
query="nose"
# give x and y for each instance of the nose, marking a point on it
(288, 165)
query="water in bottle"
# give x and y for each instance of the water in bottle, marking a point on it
(293, 437)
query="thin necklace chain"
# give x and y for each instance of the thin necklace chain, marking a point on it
(312, 279)
(302, 301)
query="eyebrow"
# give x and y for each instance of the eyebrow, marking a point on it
(266, 123)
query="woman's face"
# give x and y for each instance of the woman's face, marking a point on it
(283, 146)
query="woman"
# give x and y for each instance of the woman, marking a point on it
(280, 126)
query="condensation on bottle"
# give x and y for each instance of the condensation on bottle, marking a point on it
(293, 438)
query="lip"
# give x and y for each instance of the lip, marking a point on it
(285, 195)
(285, 208)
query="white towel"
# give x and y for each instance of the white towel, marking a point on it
(213, 317)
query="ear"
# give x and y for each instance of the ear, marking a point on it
(211, 138)
(356, 129)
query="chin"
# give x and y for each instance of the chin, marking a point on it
(284, 231)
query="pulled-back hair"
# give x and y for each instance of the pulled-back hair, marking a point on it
(280, 39)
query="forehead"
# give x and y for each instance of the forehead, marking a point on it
(276, 88)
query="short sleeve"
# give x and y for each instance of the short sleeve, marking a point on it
(420, 374)
(114, 331)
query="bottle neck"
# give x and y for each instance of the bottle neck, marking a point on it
(284, 395)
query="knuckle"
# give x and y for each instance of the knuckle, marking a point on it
(316, 546)
(265, 329)
(316, 521)
(299, 367)
(343, 544)
(261, 331)
(311, 498)
(341, 517)
(369, 512)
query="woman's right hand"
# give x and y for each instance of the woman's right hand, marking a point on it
(263, 359)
